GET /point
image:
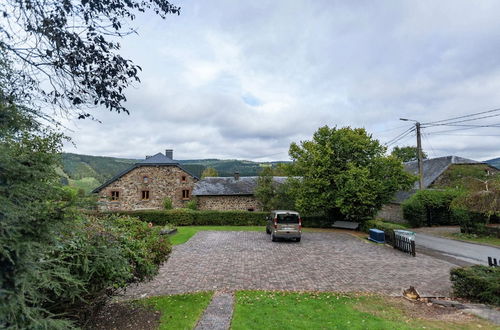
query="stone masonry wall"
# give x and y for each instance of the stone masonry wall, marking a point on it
(162, 181)
(391, 212)
(227, 203)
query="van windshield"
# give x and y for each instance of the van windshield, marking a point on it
(288, 218)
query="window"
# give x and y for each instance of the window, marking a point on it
(115, 195)
(185, 194)
(145, 195)
(251, 209)
(183, 178)
(145, 179)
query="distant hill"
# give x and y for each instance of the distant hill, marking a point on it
(494, 162)
(88, 172)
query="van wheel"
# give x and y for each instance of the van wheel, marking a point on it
(273, 238)
(268, 231)
(297, 239)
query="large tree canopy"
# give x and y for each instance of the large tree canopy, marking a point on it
(345, 174)
(407, 154)
(66, 51)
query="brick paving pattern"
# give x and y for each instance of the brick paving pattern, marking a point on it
(224, 260)
(218, 314)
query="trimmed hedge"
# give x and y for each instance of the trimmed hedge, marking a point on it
(432, 207)
(382, 225)
(477, 283)
(186, 217)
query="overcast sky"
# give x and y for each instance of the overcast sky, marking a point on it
(243, 79)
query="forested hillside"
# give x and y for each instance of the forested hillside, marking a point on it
(88, 172)
(494, 162)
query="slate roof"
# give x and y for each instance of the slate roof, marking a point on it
(229, 186)
(157, 160)
(433, 169)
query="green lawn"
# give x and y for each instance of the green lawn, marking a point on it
(186, 232)
(180, 311)
(474, 238)
(288, 310)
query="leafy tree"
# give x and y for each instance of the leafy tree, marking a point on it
(345, 174)
(273, 195)
(209, 172)
(67, 51)
(266, 190)
(407, 154)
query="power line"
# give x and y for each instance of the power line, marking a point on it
(399, 135)
(453, 130)
(429, 143)
(464, 134)
(390, 129)
(462, 121)
(460, 117)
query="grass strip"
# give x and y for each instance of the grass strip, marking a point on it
(490, 240)
(180, 311)
(184, 233)
(292, 310)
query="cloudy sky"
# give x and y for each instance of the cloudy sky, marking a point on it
(243, 79)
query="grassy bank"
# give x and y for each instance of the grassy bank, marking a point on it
(289, 310)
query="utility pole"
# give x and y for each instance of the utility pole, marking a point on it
(419, 154)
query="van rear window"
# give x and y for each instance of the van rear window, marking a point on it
(288, 218)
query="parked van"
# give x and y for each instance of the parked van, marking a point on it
(284, 224)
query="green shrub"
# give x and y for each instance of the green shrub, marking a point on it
(432, 207)
(100, 256)
(167, 203)
(192, 205)
(477, 283)
(382, 225)
(187, 217)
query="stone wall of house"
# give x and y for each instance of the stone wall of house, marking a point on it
(391, 212)
(161, 181)
(227, 203)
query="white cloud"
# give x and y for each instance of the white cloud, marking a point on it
(244, 79)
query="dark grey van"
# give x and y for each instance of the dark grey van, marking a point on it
(284, 224)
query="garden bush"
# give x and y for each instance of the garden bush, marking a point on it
(432, 207)
(382, 225)
(187, 217)
(101, 255)
(477, 283)
(167, 203)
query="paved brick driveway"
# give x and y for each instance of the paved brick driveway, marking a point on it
(223, 260)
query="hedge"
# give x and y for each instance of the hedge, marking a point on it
(477, 283)
(186, 217)
(432, 207)
(382, 225)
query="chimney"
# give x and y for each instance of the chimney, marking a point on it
(236, 175)
(169, 153)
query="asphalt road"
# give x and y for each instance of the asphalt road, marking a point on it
(452, 249)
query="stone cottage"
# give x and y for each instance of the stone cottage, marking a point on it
(229, 193)
(435, 171)
(146, 184)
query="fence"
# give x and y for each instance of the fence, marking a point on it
(400, 242)
(493, 262)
